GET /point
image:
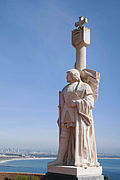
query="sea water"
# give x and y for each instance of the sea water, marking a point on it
(111, 167)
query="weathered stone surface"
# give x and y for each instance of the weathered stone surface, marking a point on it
(77, 171)
(91, 178)
(80, 40)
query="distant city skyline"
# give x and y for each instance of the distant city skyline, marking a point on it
(12, 150)
(36, 52)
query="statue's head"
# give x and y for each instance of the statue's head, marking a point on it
(73, 75)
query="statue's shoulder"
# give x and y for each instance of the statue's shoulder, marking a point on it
(85, 87)
(65, 88)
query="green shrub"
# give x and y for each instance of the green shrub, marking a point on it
(22, 178)
(34, 178)
(26, 178)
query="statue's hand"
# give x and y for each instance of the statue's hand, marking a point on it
(72, 104)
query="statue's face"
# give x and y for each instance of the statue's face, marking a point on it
(69, 77)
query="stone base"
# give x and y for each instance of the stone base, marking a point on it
(76, 171)
(57, 176)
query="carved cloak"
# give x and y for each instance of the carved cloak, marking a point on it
(79, 120)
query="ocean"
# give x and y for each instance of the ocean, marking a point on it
(111, 167)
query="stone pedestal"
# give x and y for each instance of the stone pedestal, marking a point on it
(74, 173)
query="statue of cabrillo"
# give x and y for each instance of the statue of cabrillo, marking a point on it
(77, 138)
(77, 146)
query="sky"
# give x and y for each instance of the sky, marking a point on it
(36, 52)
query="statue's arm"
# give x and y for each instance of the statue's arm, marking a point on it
(85, 105)
(88, 96)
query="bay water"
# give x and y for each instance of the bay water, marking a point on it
(111, 167)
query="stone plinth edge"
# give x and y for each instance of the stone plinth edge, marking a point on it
(76, 171)
(57, 176)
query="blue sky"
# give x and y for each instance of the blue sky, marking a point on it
(36, 52)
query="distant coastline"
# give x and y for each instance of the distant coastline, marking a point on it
(108, 157)
(17, 159)
(2, 161)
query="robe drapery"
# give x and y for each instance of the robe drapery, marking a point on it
(78, 121)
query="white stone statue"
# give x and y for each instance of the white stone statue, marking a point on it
(77, 145)
(77, 154)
